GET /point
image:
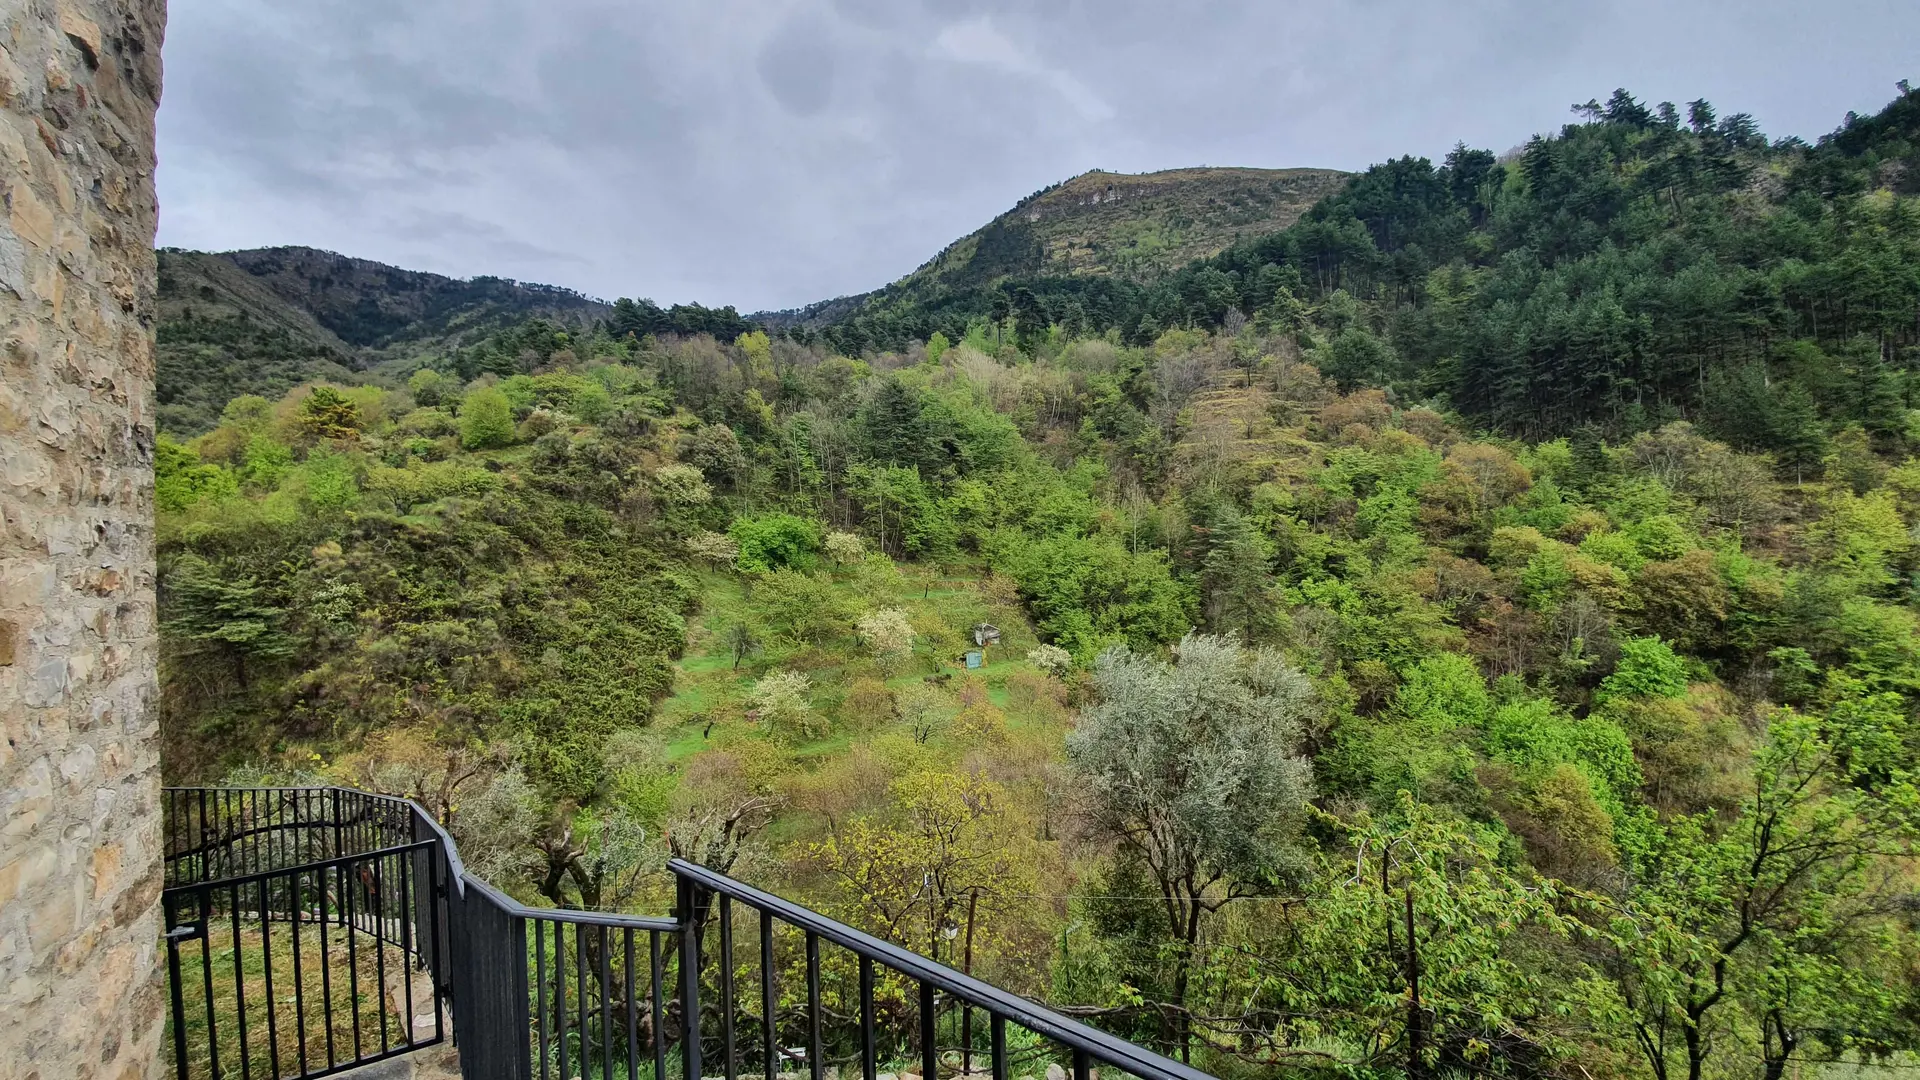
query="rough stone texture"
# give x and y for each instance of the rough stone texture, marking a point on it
(79, 779)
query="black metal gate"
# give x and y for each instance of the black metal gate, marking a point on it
(304, 931)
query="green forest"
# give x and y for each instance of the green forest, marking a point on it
(1473, 631)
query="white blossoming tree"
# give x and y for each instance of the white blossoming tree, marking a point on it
(889, 634)
(779, 700)
(1051, 659)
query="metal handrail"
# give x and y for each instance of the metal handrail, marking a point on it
(489, 956)
(1109, 1049)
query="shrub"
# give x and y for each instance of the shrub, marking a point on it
(774, 541)
(1051, 659)
(486, 420)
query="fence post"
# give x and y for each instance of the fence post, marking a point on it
(685, 902)
(339, 845)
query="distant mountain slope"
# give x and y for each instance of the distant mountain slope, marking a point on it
(262, 321)
(374, 305)
(1133, 226)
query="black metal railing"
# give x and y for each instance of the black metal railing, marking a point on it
(563, 995)
(304, 931)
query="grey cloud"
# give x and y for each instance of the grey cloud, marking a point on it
(771, 152)
(797, 63)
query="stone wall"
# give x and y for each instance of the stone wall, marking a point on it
(79, 778)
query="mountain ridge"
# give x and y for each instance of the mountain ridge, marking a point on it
(1100, 223)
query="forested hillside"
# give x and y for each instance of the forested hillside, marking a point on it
(264, 320)
(1645, 264)
(1471, 631)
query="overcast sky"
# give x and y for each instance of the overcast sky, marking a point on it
(767, 153)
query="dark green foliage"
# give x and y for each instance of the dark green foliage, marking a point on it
(202, 362)
(231, 617)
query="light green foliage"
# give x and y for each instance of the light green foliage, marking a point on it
(1090, 593)
(802, 607)
(845, 548)
(430, 387)
(1614, 549)
(1860, 537)
(681, 486)
(1423, 744)
(486, 420)
(1658, 536)
(775, 541)
(1648, 667)
(1477, 924)
(1770, 926)
(180, 480)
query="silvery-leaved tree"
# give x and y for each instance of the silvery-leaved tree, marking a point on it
(1193, 769)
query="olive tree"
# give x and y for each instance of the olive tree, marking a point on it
(1192, 768)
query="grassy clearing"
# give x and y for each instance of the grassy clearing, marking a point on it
(338, 1014)
(709, 703)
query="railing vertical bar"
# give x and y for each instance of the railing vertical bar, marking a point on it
(206, 972)
(659, 986)
(726, 984)
(339, 842)
(689, 916)
(201, 838)
(632, 1008)
(929, 1053)
(606, 1006)
(1082, 1065)
(255, 827)
(815, 1067)
(326, 966)
(405, 864)
(584, 1013)
(768, 1007)
(868, 1066)
(171, 905)
(998, 1026)
(343, 884)
(436, 895)
(560, 994)
(240, 989)
(966, 1037)
(380, 948)
(540, 990)
(266, 963)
